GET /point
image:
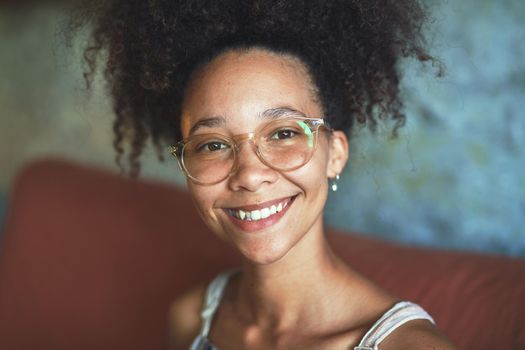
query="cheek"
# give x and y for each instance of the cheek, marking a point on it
(203, 200)
(311, 178)
(315, 171)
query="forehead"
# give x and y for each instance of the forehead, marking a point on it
(240, 84)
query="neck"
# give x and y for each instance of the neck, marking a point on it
(293, 290)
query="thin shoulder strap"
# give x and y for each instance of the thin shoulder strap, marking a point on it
(212, 299)
(394, 318)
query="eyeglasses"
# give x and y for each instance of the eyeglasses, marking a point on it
(282, 144)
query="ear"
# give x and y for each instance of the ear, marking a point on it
(338, 153)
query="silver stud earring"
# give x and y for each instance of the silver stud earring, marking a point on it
(334, 183)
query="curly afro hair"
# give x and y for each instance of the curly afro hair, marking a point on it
(351, 48)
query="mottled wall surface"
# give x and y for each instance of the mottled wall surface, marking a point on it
(453, 178)
(44, 107)
(456, 175)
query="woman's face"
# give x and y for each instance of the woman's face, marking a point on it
(229, 96)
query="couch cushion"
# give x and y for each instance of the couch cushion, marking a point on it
(477, 300)
(91, 261)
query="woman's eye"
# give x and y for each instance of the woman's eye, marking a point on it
(213, 146)
(283, 134)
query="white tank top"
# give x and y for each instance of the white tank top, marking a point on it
(395, 317)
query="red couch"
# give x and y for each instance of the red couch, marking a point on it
(90, 260)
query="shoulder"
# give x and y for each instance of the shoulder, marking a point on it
(416, 335)
(184, 317)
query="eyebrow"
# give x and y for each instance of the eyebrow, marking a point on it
(280, 112)
(208, 123)
(271, 113)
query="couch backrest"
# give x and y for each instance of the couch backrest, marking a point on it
(90, 260)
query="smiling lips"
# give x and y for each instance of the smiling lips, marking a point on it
(254, 215)
(257, 217)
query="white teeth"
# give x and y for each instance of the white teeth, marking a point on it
(265, 212)
(256, 215)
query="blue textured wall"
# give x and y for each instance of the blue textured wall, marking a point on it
(455, 177)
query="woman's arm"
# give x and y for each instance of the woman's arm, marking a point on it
(417, 335)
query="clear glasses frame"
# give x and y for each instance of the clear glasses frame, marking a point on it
(314, 124)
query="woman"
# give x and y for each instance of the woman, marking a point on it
(256, 97)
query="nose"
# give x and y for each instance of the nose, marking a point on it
(250, 174)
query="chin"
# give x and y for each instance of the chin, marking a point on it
(263, 252)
